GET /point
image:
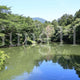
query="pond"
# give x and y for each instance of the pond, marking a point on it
(42, 62)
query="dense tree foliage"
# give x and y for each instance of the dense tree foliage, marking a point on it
(17, 26)
(77, 14)
(65, 20)
(68, 23)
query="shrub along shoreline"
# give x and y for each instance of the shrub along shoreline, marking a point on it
(3, 57)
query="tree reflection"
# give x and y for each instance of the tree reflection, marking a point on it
(67, 62)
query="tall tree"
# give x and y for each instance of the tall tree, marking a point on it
(77, 14)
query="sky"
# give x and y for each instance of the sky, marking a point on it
(46, 9)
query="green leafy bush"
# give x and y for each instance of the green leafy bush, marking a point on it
(3, 58)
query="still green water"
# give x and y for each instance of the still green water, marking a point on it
(42, 62)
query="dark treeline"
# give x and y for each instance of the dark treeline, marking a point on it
(19, 25)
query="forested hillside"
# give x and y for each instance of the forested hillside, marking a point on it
(16, 27)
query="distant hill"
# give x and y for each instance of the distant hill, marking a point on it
(39, 19)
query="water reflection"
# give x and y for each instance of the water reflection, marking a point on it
(66, 62)
(48, 70)
(6, 67)
(58, 63)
